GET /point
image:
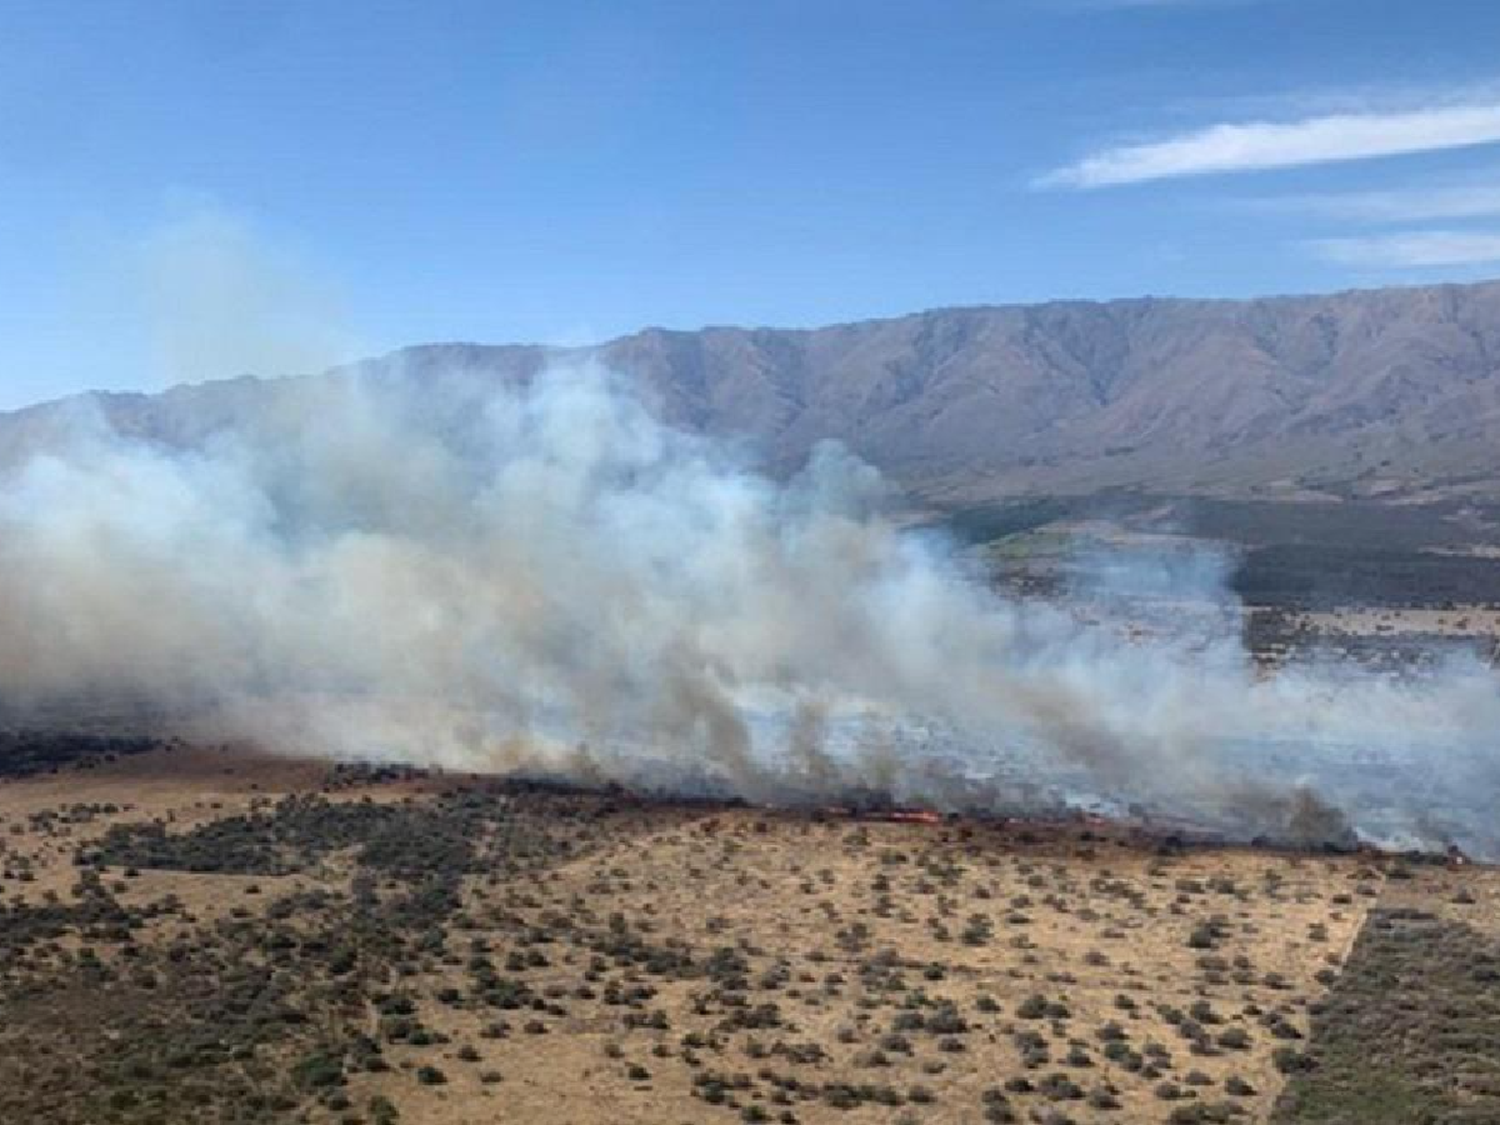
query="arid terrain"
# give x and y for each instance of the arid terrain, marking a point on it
(711, 564)
(203, 934)
(192, 932)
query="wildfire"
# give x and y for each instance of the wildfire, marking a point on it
(891, 816)
(914, 816)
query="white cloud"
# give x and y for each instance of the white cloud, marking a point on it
(1397, 206)
(1411, 249)
(1257, 145)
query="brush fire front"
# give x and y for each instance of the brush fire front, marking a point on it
(1074, 828)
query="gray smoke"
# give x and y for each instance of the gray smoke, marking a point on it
(544, 577)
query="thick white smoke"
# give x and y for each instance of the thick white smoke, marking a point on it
(550, 578)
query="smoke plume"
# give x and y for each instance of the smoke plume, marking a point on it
(544, 577)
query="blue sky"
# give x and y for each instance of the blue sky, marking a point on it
(192, 190)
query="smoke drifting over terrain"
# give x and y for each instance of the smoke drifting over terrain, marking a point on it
(545, 577)
(216, 295)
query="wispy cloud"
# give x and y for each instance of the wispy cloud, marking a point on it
(1258, 145)
(1411, 249)
(1396, 206)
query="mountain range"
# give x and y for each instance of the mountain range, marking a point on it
(1376, 394)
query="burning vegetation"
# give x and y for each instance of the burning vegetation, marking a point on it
(551, 567)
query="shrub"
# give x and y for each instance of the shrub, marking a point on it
(1059, 1087)
(1289, 1060)
(1235, 1038)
